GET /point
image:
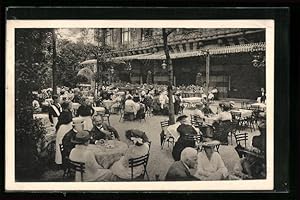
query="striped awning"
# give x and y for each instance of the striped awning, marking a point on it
(212, 51)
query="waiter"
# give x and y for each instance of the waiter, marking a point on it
(55, 110)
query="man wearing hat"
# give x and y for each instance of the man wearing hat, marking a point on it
(93, 171)
(210, 164)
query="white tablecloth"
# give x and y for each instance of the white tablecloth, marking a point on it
(260, 106)
(99, 110)
(191, 100)
(108, 103)
(107, 156)
(244, 113)
(210, 120)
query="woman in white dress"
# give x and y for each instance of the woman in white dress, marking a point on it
(64, 125)
(137, 148)
(210, 164)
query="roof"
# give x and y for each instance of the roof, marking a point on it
(213, 51)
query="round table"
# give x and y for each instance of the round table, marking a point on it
(192, 100)
(244, 113)
(99, 110)
(108, 103)
(259, 106)
(211, 119)
(107, 156)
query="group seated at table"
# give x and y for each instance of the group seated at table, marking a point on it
(93, 171)
(133, 108)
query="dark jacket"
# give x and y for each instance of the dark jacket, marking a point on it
(64, 118)
(179, 172)
(184, 130)
(85, 110)
(52, 112)
(66, 142)
(97, 134)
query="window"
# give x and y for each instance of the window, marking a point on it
(125, 35)
(146, 33)
(108, 37)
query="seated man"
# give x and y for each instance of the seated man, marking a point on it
(198, 111)
(93, 171)
(130, 106)
(180, 170)
(102, 130)
(210, 164)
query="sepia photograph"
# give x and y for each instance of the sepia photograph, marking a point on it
(139, 104)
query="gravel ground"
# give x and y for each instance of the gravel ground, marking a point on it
(160, 160)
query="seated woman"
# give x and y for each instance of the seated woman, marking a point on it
(222, 124)
(186, 131)
(64, 125)
(81, 153)
(137, 147)
(86, 111)
(210, 164)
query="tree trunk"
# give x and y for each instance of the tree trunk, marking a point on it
(170, 73)
(54, 62)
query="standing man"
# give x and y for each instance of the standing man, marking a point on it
(55, 110)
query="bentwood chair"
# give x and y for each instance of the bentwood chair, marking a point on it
(163, 137)
(64, 161)
(75, 166)
(140, 161)
(196, 121)
(241, 137)
(105, 117)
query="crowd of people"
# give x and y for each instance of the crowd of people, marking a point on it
(76, 130)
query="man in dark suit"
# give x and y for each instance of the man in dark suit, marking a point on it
(102, 130)
(55, 110)
(180, 170)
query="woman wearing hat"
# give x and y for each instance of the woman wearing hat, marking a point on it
(81, 153)
(63, 126)
(185, 131)
(137, 147)
(86, 111)
(210, 164)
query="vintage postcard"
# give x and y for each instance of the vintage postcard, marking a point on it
(143, 105)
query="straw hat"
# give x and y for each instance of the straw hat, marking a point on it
(81, 137)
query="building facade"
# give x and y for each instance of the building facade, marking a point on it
(236, 64)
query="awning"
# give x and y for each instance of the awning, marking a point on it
(212, 51)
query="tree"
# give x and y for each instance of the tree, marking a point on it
(165, 34)
(31, 63)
